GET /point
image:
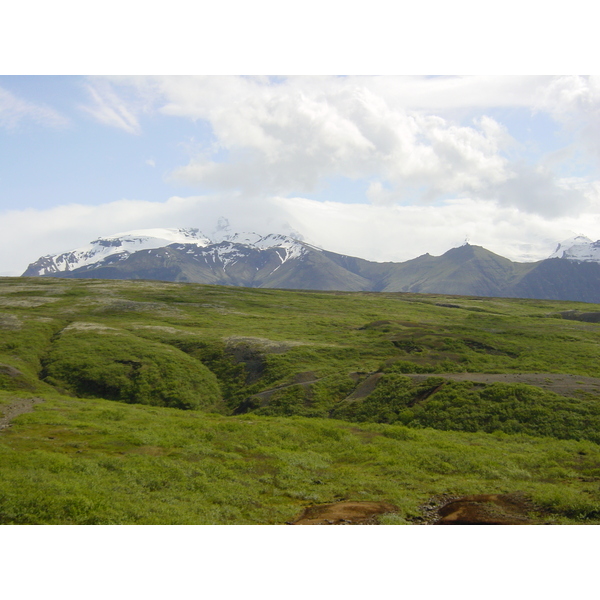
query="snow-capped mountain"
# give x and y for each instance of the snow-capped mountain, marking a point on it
(226, 250)
(579, 248)
(120, 244)
(235, 247)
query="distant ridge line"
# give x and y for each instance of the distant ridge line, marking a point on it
(280, 261)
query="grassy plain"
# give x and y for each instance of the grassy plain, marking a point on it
(183, 403)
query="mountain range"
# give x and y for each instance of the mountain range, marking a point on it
(572, 272)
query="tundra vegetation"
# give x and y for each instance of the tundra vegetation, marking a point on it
(186, 403)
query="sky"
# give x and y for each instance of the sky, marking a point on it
(379, 142)
(381, 167)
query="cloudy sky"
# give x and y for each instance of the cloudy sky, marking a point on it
(381, 167)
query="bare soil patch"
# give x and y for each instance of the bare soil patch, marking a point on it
(10, 411)
(344, 513)
(486, 509)
(10, 371)
(15, 378)
(83, 326)
(365, 388)
(31, 302)
(8, 321)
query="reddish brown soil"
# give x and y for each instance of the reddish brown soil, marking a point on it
(344, 513)
(486, 509)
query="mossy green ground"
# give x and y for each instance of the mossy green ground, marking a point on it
(115, 362)
(92, 461)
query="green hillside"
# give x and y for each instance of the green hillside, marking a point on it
(469, 267)
(186, 403)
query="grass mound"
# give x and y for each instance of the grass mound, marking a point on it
(118, 366)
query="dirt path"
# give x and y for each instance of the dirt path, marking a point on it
(302, 379)
(10, 411)
(563, 384)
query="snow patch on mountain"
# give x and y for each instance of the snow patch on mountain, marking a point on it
(235, 246)
(122, 244)
(293, 248)
(227, 248)
(579, 248)
(226, 253)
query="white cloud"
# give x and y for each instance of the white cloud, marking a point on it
(575, 101)
(412, 139)
(375, 232)
(406, 136)
(14, 110)
(109, 108)
(535, 189)
(400, 233)
(288, 137)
